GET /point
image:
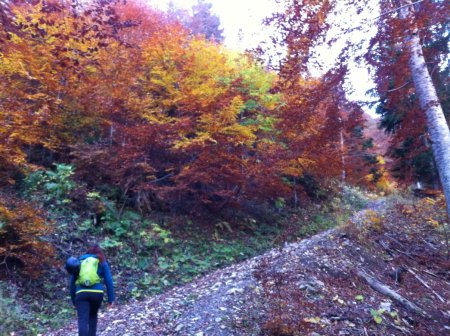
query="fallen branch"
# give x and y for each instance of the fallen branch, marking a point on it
(386, 247)
(435, 275)
(426, 285)
(429, 244)
(393, 239)
(410, 256)
(386, 290)
(403, 330)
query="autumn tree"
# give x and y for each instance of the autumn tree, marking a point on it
(427, 96)
(191, 123)
(49, 49)
(316, 113)
(400, 114)
(396, 52)
(415, 33)
(170, 119)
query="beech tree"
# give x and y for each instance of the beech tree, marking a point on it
(173, 121)
(402, 28)
(322, 129)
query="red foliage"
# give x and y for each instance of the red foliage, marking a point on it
(174, 121)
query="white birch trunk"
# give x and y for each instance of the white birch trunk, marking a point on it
(426, 92)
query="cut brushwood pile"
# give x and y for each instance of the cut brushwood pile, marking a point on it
(358, 280)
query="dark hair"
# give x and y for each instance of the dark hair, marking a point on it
(95, 249)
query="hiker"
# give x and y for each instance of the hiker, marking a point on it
(86, 288)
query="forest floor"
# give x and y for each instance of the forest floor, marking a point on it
(317, 286)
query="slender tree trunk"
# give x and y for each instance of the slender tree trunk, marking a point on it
(426, 92)
(343, 173)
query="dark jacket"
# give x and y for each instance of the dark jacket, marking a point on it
(103, 272)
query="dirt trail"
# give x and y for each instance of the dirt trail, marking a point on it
(239, 300)
(211, 305)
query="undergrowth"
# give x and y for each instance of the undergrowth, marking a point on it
(405, 245)
(149, 254)
(13, 314)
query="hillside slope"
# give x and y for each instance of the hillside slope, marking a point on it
(312, 287)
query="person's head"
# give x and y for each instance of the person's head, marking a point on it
(95, 249)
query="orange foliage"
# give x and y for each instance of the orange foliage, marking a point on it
(49, 50)
(322, 129)
(21, 231)
(176, 122)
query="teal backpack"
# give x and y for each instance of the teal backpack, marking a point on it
(88, 272)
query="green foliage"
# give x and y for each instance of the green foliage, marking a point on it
(13, 315)
(318, 223)
(180, 261)
(157, 258)
(126, 226)
(376, 314)
(352, 198)
(424, 167)
(359, 298)
(42, 305)
(165, 258)
(148, 256)
(56, 317)
(358, 131)
(280, 203)
(370, 159)
(312, 187)
(50, 186)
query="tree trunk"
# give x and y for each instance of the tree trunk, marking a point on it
(426, 92)
(343, 173)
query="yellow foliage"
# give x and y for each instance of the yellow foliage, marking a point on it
(428, 200)
(298, 166)
(200, 139)
(432, 211)
(373, 220)
(384, 183)
(229, 114)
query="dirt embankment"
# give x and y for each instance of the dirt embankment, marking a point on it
(316, 286)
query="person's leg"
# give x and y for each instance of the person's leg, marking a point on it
(95, 302)
(82, 305)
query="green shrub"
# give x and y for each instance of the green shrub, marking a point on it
(318, 223)
(353, 198)
(51, 187)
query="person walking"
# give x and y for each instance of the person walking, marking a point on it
(86, 288)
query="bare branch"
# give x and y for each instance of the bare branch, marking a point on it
(397, 88)
(396, 9)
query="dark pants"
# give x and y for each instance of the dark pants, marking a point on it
(87, 305)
